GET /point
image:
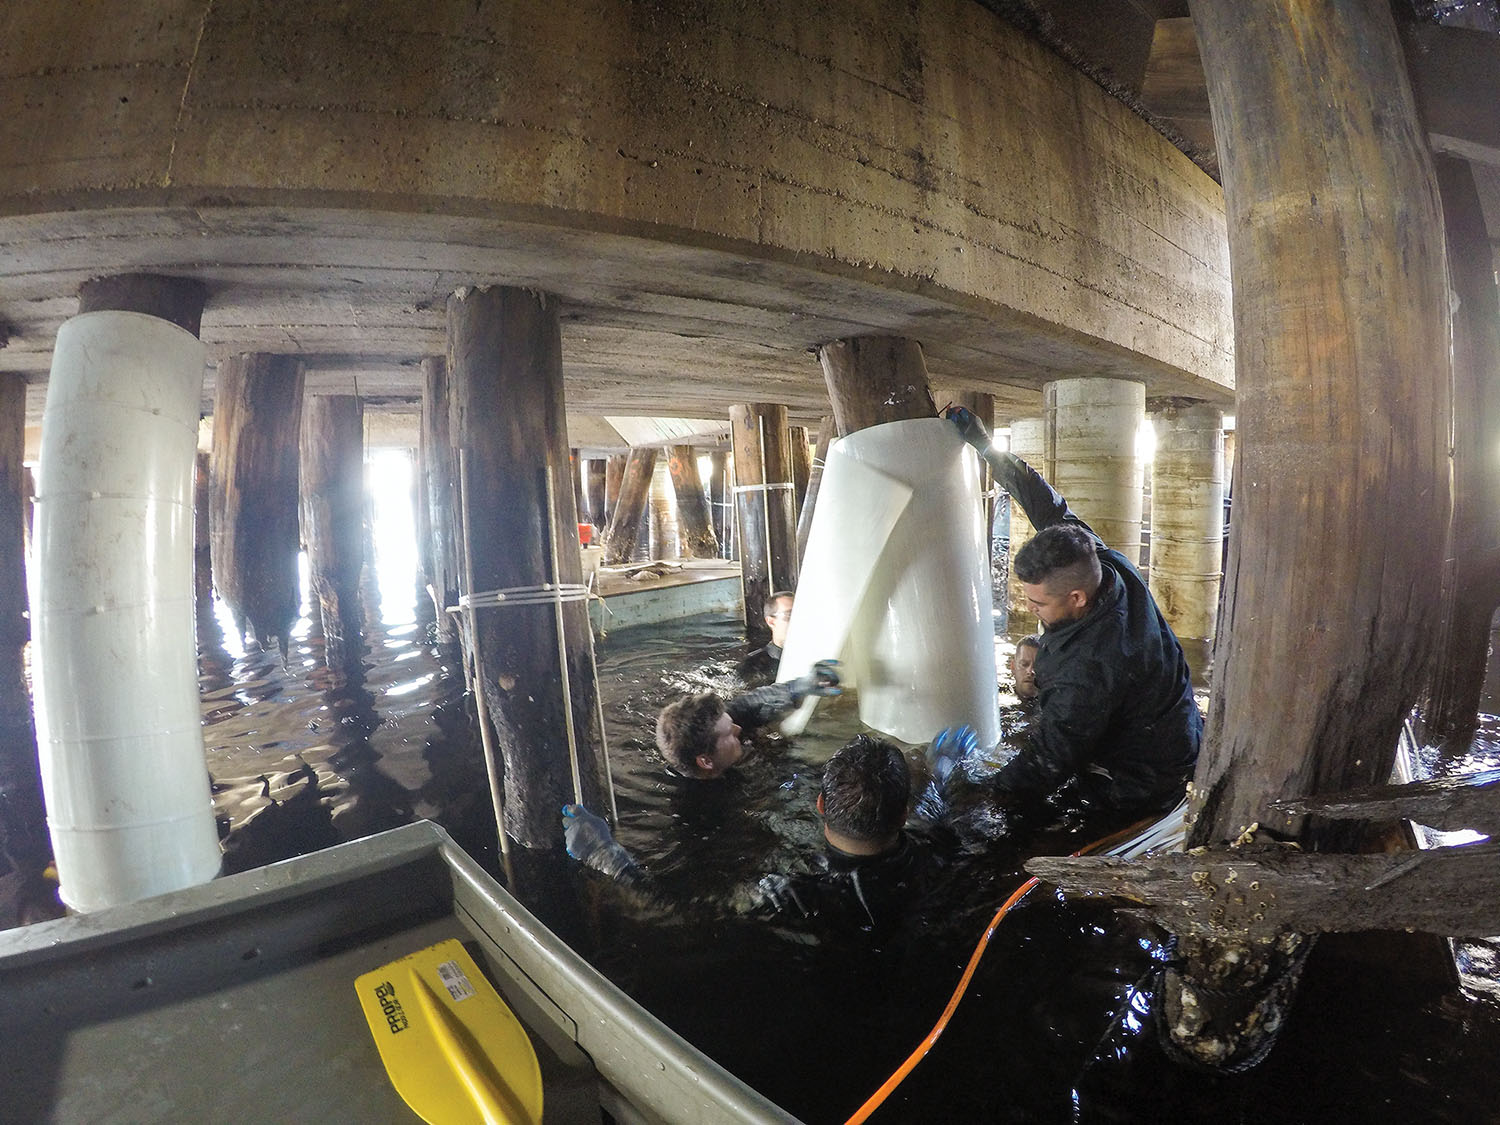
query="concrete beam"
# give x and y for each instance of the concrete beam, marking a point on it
(706, 185)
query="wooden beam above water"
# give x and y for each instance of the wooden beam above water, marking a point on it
(1260, 890)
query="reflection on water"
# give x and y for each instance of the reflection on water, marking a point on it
(1056, 1026)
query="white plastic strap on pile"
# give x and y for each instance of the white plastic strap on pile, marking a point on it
(545, 594)
(1167, 835)
(767, 487)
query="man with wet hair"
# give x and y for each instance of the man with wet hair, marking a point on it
(872, 865)
(761, 665)
(702, 737)
(1023, 667)
(865, 796)
(878, 859)
(1117, 713)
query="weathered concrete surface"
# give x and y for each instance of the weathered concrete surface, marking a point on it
(762, 177)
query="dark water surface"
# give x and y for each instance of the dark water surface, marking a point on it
(1056, 1026)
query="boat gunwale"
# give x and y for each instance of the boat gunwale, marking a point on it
(646, 1071)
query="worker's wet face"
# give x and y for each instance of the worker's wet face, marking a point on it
(1023, 671)
(1054, 608)
(778, 619)
(727, 748)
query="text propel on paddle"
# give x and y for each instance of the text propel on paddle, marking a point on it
(395, 1014)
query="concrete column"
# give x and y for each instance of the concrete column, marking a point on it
(666, 537)
(332, 472)
(1187, 517)
(505, 367)
(1092, 429)
(764, 507)
(1028, 441)
(253, 502)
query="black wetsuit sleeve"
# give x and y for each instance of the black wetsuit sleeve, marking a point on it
(773, 895)
(1066, 733)
(932, 805)
(1043, 504)
(764, 705)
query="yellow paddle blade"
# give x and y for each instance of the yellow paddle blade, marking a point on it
(454, 1051)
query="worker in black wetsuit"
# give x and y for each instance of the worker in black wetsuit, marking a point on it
(873, 866)
(1116, 702)
(761, 666)
(701, 736)
(876, 864)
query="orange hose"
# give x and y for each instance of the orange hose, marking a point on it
(923, 1047)
(888, 1087)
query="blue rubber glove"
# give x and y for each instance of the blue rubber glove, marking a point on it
(822, 680)
(949, 748)
(590, 841)
(970, 428)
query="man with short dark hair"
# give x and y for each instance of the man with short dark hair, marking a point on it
(762, 664)
(874, 867)
(701, 736)
(871, 867)
(865, 795)
(1116, 700)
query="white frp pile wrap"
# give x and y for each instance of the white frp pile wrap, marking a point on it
(896, 584)
(115, 660)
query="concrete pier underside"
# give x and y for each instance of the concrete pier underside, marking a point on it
(711, 191)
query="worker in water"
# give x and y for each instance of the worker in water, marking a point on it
(1023, 668)
(761, 665)
(872, 864)
(701, 736)
(1117, 715)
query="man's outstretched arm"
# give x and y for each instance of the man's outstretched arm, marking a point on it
(590, 841)
(766, 705)
(1043, 504)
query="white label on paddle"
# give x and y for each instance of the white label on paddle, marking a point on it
(458, 983)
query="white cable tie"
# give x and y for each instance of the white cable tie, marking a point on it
(545, 594)
(762, 487)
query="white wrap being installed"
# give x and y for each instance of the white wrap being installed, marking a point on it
(115, 656)
(896, 585)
